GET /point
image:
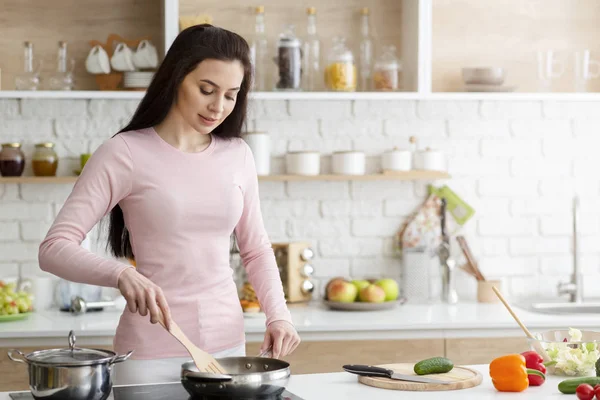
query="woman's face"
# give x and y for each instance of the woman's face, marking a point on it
(208, 94)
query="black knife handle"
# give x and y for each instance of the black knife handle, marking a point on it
(367, 370)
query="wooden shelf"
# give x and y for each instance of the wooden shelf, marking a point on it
(39, 179)
(398, 176)
(125, 95)
(452, 96)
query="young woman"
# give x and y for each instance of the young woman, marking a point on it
(177, 181)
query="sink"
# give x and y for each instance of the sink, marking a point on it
(564, 308)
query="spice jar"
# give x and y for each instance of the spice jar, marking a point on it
(340, 73)
(12, 159)
(45, 160)
(289, 60)
(386, 70)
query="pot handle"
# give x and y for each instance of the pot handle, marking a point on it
(121, 358)
(10, 355)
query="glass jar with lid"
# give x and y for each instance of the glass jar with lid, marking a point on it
(386, 70)
(340, 72)
(12, 159)
(289, 60)
(45, 159)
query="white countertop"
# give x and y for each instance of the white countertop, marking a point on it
(342, 385)
(316, 322)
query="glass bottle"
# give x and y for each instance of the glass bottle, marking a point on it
(340, 72)
(258, 51)
(12, 159)
(386, 70)
(289, 60)
(366, 51)
(44, 160)
(29, 79)
(63, 78)
(311, 66)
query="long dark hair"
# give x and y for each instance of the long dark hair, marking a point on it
(191, 46)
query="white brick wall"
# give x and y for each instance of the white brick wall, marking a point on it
(517, 163)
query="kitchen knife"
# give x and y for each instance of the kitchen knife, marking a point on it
(368, 370)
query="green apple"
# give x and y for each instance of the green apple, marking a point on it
(372, 294)
(360, 284)
(341, 291)
(390, 287)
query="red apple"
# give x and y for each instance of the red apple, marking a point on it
(341, 291)
(372, 294)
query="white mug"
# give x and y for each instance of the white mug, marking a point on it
(121, 59)
(145, 56)
(97, 61)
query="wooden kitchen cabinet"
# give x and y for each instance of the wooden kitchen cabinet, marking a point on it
(467, 351)
(329, 356)
(508, 34)
(44, 23)
(14, 376)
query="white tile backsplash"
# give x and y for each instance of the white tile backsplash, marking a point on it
(517, 163)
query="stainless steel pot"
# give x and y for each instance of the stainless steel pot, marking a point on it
(70, 374)
(247, 377)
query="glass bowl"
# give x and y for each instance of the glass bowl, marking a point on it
(572, 356)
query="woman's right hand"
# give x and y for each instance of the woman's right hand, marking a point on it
(143, 295)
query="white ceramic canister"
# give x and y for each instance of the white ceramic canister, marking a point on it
(430, 160)
(396, 160)
(348, 163)
(303, 162)
(260, 144)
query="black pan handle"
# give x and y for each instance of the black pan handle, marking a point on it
(367, 370)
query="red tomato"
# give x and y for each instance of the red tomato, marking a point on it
(597, 391)
(585, 392)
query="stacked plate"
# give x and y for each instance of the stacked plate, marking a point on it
(137, 79)
(485, 79)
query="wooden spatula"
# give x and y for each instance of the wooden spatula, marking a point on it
(204, 361)
(536, 343)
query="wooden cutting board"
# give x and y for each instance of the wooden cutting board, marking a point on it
(461, 378)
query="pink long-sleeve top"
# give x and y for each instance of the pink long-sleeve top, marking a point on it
(180, 209)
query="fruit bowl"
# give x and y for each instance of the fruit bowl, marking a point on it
(14, 317)
(574, 352)
(363, 306)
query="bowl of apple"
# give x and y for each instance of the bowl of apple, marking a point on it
(14, 304)
(362, 294)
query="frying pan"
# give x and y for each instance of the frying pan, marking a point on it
(247, 377)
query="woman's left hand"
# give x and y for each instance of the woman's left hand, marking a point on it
(282, 336)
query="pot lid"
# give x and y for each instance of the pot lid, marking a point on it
(71, 356)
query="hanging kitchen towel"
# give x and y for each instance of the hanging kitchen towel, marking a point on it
(423, 229)
(461, 212)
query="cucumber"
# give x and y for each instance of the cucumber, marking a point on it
(569, 386)
(435, 365)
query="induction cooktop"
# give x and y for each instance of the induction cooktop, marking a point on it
(165, 391)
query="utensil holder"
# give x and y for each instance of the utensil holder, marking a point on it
(485, 293)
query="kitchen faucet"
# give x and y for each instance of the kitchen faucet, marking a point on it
(447, 263)
(574, 288)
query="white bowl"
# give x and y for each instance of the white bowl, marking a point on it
(483, 75)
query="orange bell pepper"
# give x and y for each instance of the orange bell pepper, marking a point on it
(509, 373)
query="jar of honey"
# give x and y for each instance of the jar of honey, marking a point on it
(12, 159)
(45, 159)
